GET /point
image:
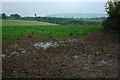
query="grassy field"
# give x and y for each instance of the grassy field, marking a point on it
(16, 29)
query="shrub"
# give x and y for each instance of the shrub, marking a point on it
(113, 21)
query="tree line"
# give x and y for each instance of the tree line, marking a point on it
(62, 21)
(12, 16)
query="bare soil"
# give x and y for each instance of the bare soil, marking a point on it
(96, 56)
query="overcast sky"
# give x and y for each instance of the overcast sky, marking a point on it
(53, 0)
(48, 8)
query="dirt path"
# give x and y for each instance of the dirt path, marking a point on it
(95, 56)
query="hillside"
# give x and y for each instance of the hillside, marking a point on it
(78, 15)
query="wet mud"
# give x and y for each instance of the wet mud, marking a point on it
(95, 56)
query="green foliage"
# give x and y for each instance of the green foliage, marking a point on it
(3, 16)
(13, 30)
(66, 21)
(113, 21)
(15, 16)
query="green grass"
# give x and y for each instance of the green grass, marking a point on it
(23, 22)
(16, 29)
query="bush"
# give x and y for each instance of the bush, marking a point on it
(113, 21)
(111, 24)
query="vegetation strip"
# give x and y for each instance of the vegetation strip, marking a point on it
(13, 29)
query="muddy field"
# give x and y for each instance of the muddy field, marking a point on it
(96, 56)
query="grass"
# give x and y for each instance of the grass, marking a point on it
(16, 29)
(24, 22)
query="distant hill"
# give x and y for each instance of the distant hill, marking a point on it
(77, 15)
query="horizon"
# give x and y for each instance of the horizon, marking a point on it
(50, 8)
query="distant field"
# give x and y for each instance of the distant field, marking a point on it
(89, 20)
(24, 22)
(16, 29)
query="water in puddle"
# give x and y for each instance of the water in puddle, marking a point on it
(102, 62)
(69, 40)
(45, 45)
(86, 67)
(76, 57)
(118, 66)
(2, 55)
(15, 53)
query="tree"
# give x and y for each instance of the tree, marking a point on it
(3, 16)
(15, 16)
(35, 15)
(113, 11)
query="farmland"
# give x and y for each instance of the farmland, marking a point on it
(33, 49)
(15, 29)
(60, 39)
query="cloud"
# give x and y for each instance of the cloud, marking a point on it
(54, 0)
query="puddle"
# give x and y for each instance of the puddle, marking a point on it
(23, 51)
(15, 53)
(45, 45)
(72, 40)
(2, 55)
(86, 68)
(75, 57)
(69, 40)
(102, 62)
(118, 67)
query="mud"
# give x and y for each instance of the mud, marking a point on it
(96, 56)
